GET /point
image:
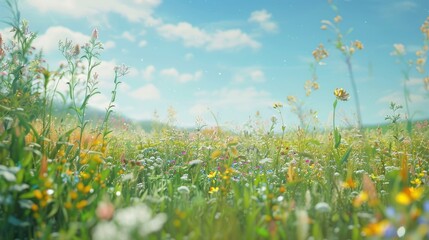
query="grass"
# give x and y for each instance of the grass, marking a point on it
(66, 176)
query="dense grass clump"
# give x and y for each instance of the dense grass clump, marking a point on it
(65, 176)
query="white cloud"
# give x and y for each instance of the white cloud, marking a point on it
(405, 5)
(134, 11)
(263, 18)
(53, 35)
(109, 44)
(99, 101)
(181, 77)
(398, 97)
(234, 100)
(196, 37)
(189, 56)
(148, 72)
(49, 40)
(249, 74)
(147, 92)
(6, 34)
(142, 43)
(234, 38)
(190, 35)
(127, 35)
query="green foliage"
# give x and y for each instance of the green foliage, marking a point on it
(66, 178)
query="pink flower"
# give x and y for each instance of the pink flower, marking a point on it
(105, 210)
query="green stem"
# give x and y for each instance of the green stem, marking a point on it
(355, 92)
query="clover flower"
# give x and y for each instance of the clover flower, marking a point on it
(341, 94)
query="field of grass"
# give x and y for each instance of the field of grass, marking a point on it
(66, 176)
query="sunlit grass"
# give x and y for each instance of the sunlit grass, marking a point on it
(63, 176)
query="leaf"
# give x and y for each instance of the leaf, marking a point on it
(19, 187)
(263, 232)
(346, 155)
(8, 176)
(16, 222)
(337, 138)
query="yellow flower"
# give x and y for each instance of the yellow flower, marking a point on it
(320, 53)
(349, 183)
(277, 105)
(73, 195)
(68, 205)
(215, 154)
(34, 207)
(360, 199)
(338, 19)
(408, 195)
(38, 194)
(212, 174)
(421, 61)
(323, 27)
(341, 94)
(213, 190)
(358, 44)
(291, 99)
(375, 229)
(416, 181)
(81, 204)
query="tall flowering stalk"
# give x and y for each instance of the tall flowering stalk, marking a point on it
(85, 57)
(347, 51)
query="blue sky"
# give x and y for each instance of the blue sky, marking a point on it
(235, 58)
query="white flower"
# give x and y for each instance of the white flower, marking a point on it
(322, 207)
(195, 162)
(265, 160)
(128, 221)
(183, 190)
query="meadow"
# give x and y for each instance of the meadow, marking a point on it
(67, 176)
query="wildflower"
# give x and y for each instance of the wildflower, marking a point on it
(338, 19)
(34, 207)
(416, 182)
(360, 199)
(212, 174)
(322, 207)
(38, 194)
(320, 53)
(376, 228)
(73, 195)
(399, 49)
(215, 154)
(408, 195)
(265, 160)
(105, 210)
(341, 94)
(76, 50)
(291, 99)
(421, 61)
(213, 190)
(315, 85)
(183, 190)
(94, 34)
(323, 27)
(81, 204)
(358, 44)
(195, 162)
(277, 105)
(132, 220)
